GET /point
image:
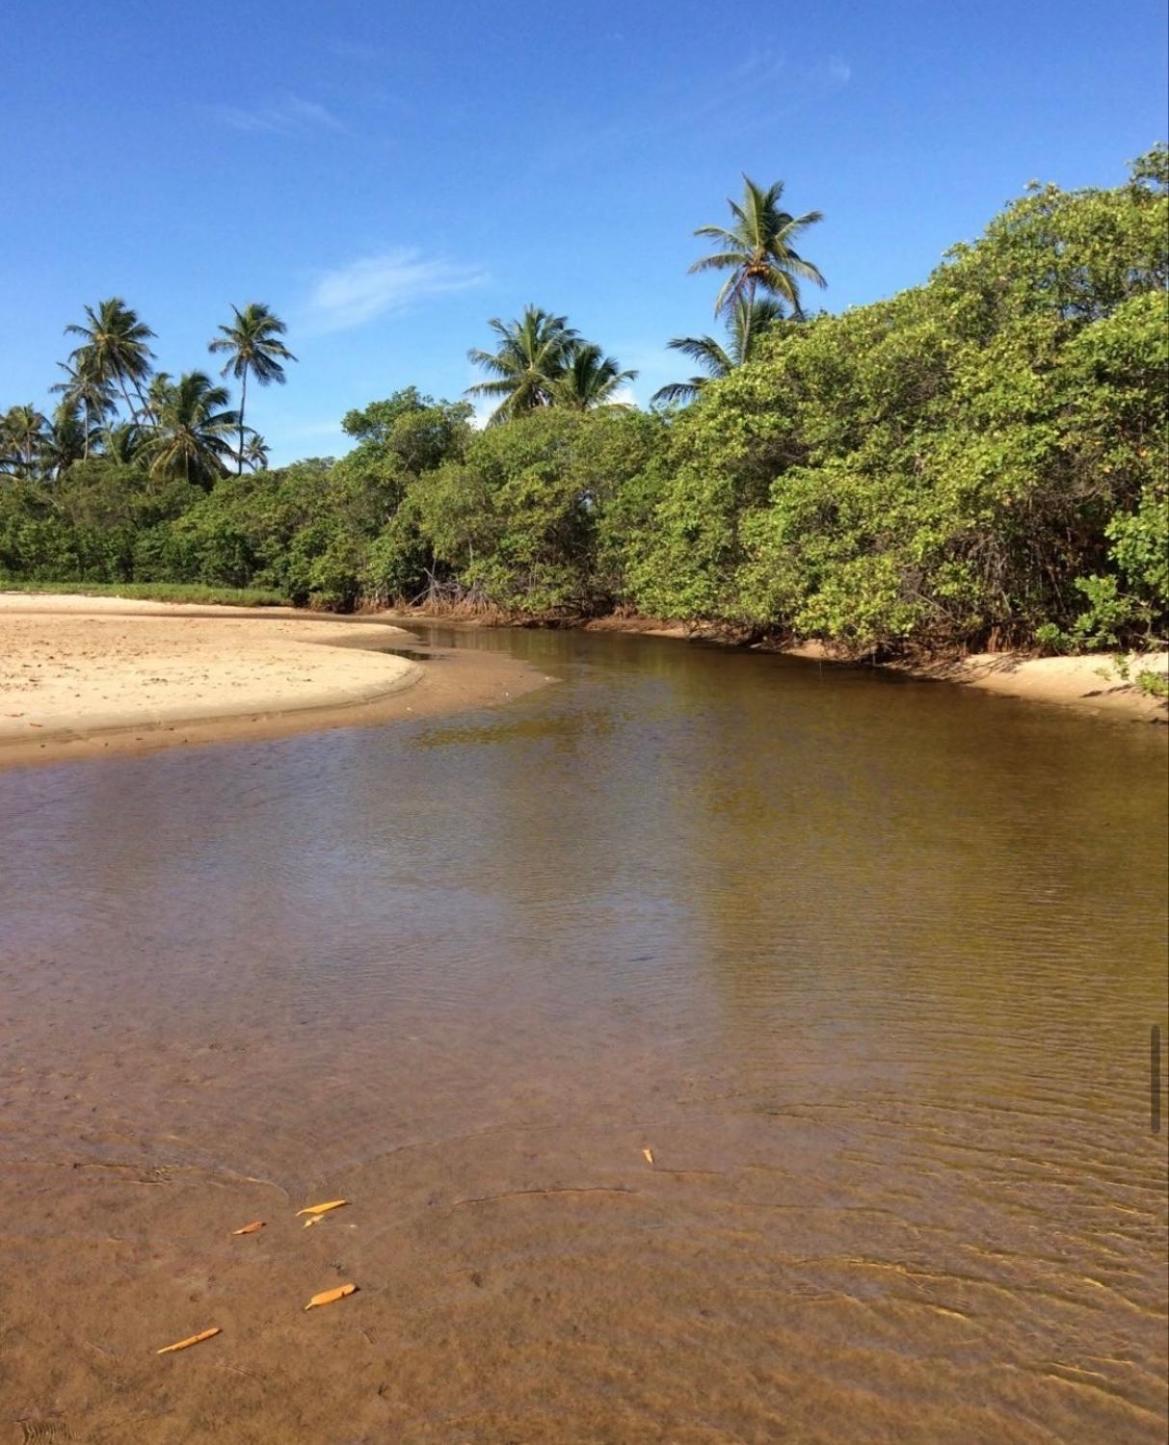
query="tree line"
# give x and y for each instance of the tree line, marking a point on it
(168, 428)
(977, 461)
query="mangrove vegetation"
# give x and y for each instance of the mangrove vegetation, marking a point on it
(978, 461)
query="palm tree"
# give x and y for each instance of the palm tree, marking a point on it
(531, 359)
(114, 350)
(747, 323)
(255, 452)
(124, 443)
(590, 379)
(22, 432)
(83, 389)
(194, 423)
(253, 343)
(757, 249)
(65, 440)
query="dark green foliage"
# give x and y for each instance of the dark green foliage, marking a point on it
(979, 461)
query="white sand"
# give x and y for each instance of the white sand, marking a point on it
(71, 664)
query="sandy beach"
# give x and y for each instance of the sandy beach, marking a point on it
(1092, 682)
(80, 675)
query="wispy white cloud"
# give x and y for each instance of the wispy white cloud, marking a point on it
(839, 70)
(291, 116)
(760, 65)
(371, 286)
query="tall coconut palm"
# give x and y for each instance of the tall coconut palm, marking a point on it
(757, 249)
(192, 431)
(746, 325)
(590, 379)
(114, 349)
(123, 443)
(65, 440)
(87, 392)
(253, 344)
(255, 452)
(530, 360)
(22, 433)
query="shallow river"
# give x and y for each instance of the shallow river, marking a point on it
(868, 966)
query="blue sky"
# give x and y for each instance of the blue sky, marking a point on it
(389, 176)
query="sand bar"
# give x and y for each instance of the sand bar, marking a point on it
(85, 674)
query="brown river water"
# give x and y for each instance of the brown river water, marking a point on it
(869, 966)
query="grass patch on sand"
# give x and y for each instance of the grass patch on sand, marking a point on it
(157, 592)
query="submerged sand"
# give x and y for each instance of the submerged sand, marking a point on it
(84, 674)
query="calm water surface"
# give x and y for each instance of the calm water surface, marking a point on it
(869, 966)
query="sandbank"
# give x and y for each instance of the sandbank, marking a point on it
(80, 675)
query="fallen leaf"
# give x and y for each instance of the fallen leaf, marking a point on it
(648, 1154)
(194, 1340)
(330, 1296)
(256, 1224)
(322, 1208)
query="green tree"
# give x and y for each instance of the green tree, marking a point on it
(748, 323)
(85, 390)
(757, 249)
(65, 440)
(114, 350)
(527, 365)
(22, 435)
(590, 379)
(253, 346)
(123, 443)
(255, 452)
(194, 422)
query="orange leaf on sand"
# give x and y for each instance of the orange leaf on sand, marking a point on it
(193, 1340)
(322, 1208)
(330, 1296)
(256, 1224)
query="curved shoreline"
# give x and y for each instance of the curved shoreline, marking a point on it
(81, 676)
(1087, 683)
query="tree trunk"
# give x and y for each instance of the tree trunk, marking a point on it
(243, 401)
(146, 408)
(126, 395)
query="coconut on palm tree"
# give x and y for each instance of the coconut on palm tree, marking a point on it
(252, 342)
(529, 362)
(590, 379)
(746, 325)
(114, 350)
(193, 427)
(757, 249)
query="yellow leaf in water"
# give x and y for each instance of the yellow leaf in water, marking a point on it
(256, 1224)
(194, 1340)
(648, 1155)
(322, 1208)
(330, 1296)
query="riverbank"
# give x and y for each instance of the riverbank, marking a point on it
(1091, 682)
(83, 675)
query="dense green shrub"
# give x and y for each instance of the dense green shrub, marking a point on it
(978, 461)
